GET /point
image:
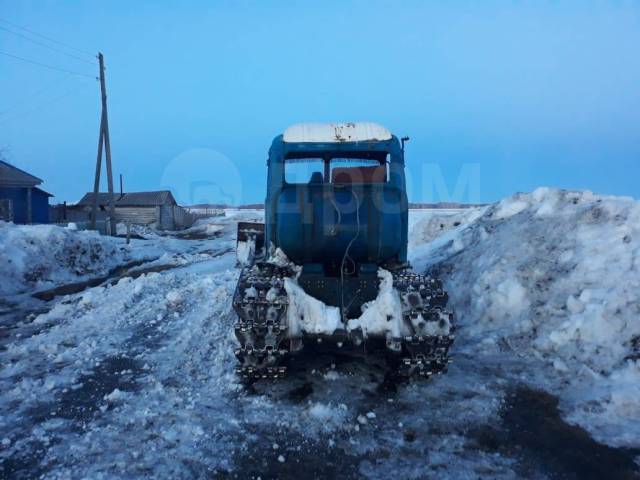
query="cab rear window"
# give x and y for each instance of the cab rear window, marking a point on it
(372, 167)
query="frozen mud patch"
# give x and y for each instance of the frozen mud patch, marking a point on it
(553, 275)
(531, 428)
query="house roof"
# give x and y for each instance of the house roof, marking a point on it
(11, 176)
(103, 198)
(140, 199)
(132, 199)
(45, 192)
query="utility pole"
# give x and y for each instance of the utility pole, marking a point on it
(103, 141)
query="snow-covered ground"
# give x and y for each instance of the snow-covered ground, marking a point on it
(39, 257)
(135, 378)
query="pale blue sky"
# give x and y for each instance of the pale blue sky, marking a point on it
(497, 96)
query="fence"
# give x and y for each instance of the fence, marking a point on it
(164, 217)
(103, 227)
(205, 212)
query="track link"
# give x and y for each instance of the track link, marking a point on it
(426, 352)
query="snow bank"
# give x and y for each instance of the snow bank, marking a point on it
(308, 314)
(35, 257)
(555, 276)
(431, 224)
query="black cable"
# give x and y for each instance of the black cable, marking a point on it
(346, 252)
(47, 66)
(36, 95)
(47, 46)
(46, 38)
(42, 105)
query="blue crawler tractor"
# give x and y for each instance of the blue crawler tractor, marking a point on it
(330, 262)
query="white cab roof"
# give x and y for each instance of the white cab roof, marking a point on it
(336, 132)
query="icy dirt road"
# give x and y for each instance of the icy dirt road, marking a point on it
(135, 379)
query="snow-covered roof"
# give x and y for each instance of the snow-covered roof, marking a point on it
(336, 132)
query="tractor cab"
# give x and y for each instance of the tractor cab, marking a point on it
(336, 190)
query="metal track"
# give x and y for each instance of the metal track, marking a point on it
(261, 304)
(424, 353)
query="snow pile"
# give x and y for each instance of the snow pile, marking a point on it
(207, 226)
(329, 417)
(307, 314)
(553, 276)
(279, 258)
(39, 256)
(434, 223)
(211, 229)
(384, 314)
(245, 252)
(138, 230)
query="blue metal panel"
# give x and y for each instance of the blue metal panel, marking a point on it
(18, 197)
(39, 206)
(316, 223)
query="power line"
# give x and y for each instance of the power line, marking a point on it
(46, 38)
(36, 95)
(43, 105)
(47, 46)
(71, 72)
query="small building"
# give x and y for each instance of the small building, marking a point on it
(21, 201)
(138, 208)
